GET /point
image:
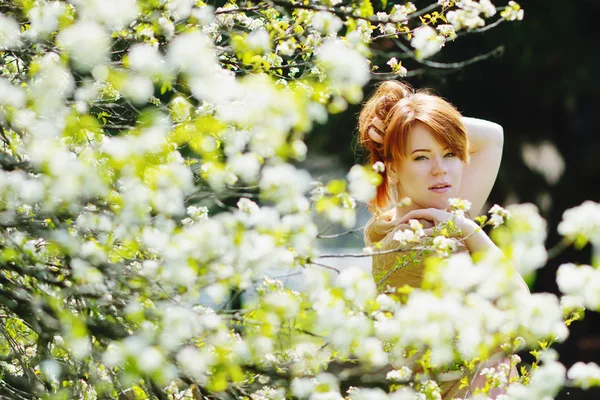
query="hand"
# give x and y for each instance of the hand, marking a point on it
(436, 217)
(382, 228)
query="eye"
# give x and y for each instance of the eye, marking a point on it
(450, 155)
(420, 158)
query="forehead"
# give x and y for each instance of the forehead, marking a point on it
(421, 137)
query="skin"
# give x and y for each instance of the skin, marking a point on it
(428, 163)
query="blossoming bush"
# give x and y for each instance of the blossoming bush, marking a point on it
(149, 158)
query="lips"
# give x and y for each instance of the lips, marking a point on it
(442, 187)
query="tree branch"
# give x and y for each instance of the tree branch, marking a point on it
(455, 65)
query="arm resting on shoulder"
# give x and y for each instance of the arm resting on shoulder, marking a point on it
(486, 140)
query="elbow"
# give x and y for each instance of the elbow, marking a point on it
(481, 130)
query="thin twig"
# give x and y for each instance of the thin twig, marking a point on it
(558, 248)
(324, 266)
(482, 29)
(241, 9)
(423, 11)
(320, 236)
(375, 253)
(396, 268)
(342, 14)
(455, 65)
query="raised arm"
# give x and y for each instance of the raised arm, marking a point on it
(486, 140)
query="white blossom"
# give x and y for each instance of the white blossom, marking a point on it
(403, 374)
(498, 215)
(513, 12)
(582, 221)
(426, 41)
(11, 95)
(529, 234)
(286, 186)
(44, 19)
(114, 14)
(581, 281)
(259, 41)
(443, 245)
(10, 33)
(585, 375)
(406, 236)
(192, 53)
(361, 184)
(145, 59)
(86, 42)
(346, 69)
(180, 9)
(326, 22)
(246, 166)
(357, 284)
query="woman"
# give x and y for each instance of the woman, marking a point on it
(431, 154)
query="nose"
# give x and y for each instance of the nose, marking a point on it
(439, 167)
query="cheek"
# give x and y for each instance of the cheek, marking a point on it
(457, 168)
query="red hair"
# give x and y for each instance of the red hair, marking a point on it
(399, 107)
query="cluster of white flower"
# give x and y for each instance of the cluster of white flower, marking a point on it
(585, 375)
(447, 31)
(412, 235)
(545, 381)
(286, 186)
(427, 41)
(348, 77)
(10, 33)
(403, 374)
(513, 12)
(397, 67)
(241, 130)
(444, 246)
(582, 282)
(582, 222)
(498, 215)
(362, 183)
(459, 206)
(400, 12)
(468, 14)
(326, 22)
(527, 248)
(86, 42)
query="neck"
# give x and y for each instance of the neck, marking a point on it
(399, 212)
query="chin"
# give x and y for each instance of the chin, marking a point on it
(439, 203)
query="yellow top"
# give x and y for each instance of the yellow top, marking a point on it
(411, 274)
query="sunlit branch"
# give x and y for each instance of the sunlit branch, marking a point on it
(482, 29)
(241, 9)
(342, 14)
(397, 267)
(337, 235)
(324, 266)
(456, 65)
(558, 248)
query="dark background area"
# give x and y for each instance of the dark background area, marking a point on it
(543, 86)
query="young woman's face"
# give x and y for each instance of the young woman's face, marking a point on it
(429, 174)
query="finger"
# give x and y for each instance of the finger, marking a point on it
(426, 224)
(429, 232)
(400, 227)
(426, 214)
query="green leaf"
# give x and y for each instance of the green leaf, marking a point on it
(366, 8)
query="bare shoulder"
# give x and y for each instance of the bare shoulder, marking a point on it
(486, 140)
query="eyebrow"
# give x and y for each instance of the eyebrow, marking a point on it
(427, 150)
